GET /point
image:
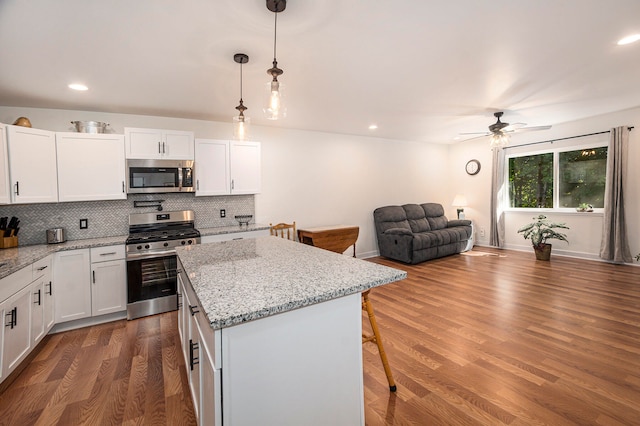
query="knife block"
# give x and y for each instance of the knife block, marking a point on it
(8, 242)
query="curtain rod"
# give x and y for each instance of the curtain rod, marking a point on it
(562, 139)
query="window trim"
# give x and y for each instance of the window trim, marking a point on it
(506, 202)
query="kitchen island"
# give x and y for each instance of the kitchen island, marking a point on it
(271, 331)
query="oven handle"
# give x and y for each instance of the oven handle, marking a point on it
(141, 256)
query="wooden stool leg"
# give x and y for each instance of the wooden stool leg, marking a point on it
(366, 305)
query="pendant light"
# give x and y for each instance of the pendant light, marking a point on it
(240, 122)
(275, 108)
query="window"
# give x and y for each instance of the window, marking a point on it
(558, 179)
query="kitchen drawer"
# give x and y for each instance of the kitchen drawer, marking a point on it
(102, 254)
(15, 282)
(41, 268)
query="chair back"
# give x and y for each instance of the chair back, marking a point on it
(284, 230)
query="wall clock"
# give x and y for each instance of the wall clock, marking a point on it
(472, 167)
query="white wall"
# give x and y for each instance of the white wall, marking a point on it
(314, 178)
(586, 228)
(321, 179)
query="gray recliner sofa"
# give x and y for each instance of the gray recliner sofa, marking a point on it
(413, 233)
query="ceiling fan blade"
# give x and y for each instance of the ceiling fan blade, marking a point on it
(477, 136)
(476, 133)
(514, 126)
(532, 128)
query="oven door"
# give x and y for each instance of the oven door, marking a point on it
(152, 277)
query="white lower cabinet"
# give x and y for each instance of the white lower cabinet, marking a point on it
(42, 308)
(108, 280)
(17, 330)
(198, 348)
(72, 295)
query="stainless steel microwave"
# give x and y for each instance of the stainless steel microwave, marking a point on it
(158, 176)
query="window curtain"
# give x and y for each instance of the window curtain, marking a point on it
(615, 246)
(498, 188)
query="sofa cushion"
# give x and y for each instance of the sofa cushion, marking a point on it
(390, 217)
(435, 215)
(398, 231)
(417, 220)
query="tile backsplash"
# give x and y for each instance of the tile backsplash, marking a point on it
(111, 218)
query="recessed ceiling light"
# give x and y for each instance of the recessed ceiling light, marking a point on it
(373, 127)
(629, 39)
(78, 86)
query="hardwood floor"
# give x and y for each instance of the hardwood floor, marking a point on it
(123, 372)
(472, 340)
(506, 339)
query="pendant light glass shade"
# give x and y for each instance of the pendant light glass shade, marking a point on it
(240, 122)
(499, 140)
(241, 127)
(275, 107)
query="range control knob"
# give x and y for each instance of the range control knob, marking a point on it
(146, 246)
(166, 244)
(139, 247)
(182, 242)
(189, 242)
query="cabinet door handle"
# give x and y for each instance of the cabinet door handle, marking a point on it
(111, 253)
(197, 184)
(17, 188)
(50, 289)
(179, 300)
(194, 309)
(42, 268)
(14, 312)
(159, 151)
(39, 297)
(123, 187)
(10, 315)
(192, 348)
(94, 276)
(163, 150)
(233, 182)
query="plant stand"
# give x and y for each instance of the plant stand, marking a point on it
(543, 253)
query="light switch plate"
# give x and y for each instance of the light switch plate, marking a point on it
(84, 223)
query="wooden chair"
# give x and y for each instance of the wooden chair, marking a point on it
(375, 338)
(284, 230)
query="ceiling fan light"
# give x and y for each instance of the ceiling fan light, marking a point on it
(499, 140)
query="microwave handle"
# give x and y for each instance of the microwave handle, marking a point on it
(180, 178)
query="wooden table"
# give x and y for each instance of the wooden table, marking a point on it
(336, 238)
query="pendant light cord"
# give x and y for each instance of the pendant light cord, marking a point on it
(275, 33)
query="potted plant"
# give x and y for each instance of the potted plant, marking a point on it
(584, 207)
(539, 232)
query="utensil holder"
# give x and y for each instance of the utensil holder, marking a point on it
(8, 242)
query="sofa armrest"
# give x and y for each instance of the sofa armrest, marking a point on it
(398, 231)
(458, 222)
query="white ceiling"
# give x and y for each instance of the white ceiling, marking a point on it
(422, 70)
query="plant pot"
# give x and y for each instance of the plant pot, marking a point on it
(543, 252)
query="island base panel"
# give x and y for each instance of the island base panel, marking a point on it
(302, 367)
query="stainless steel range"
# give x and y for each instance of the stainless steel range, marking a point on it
(152, 262)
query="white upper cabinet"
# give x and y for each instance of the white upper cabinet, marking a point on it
(90, 167)
(32, 159)
(5, 197)
(157, 143)
(224, 167)
(212, 167)
(245, 167)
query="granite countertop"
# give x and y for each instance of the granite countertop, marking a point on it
(244, 280)
(14, 259)
(232, 229)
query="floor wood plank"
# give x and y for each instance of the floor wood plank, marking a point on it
(491, 339)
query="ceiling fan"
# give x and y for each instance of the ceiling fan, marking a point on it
(499, 131)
